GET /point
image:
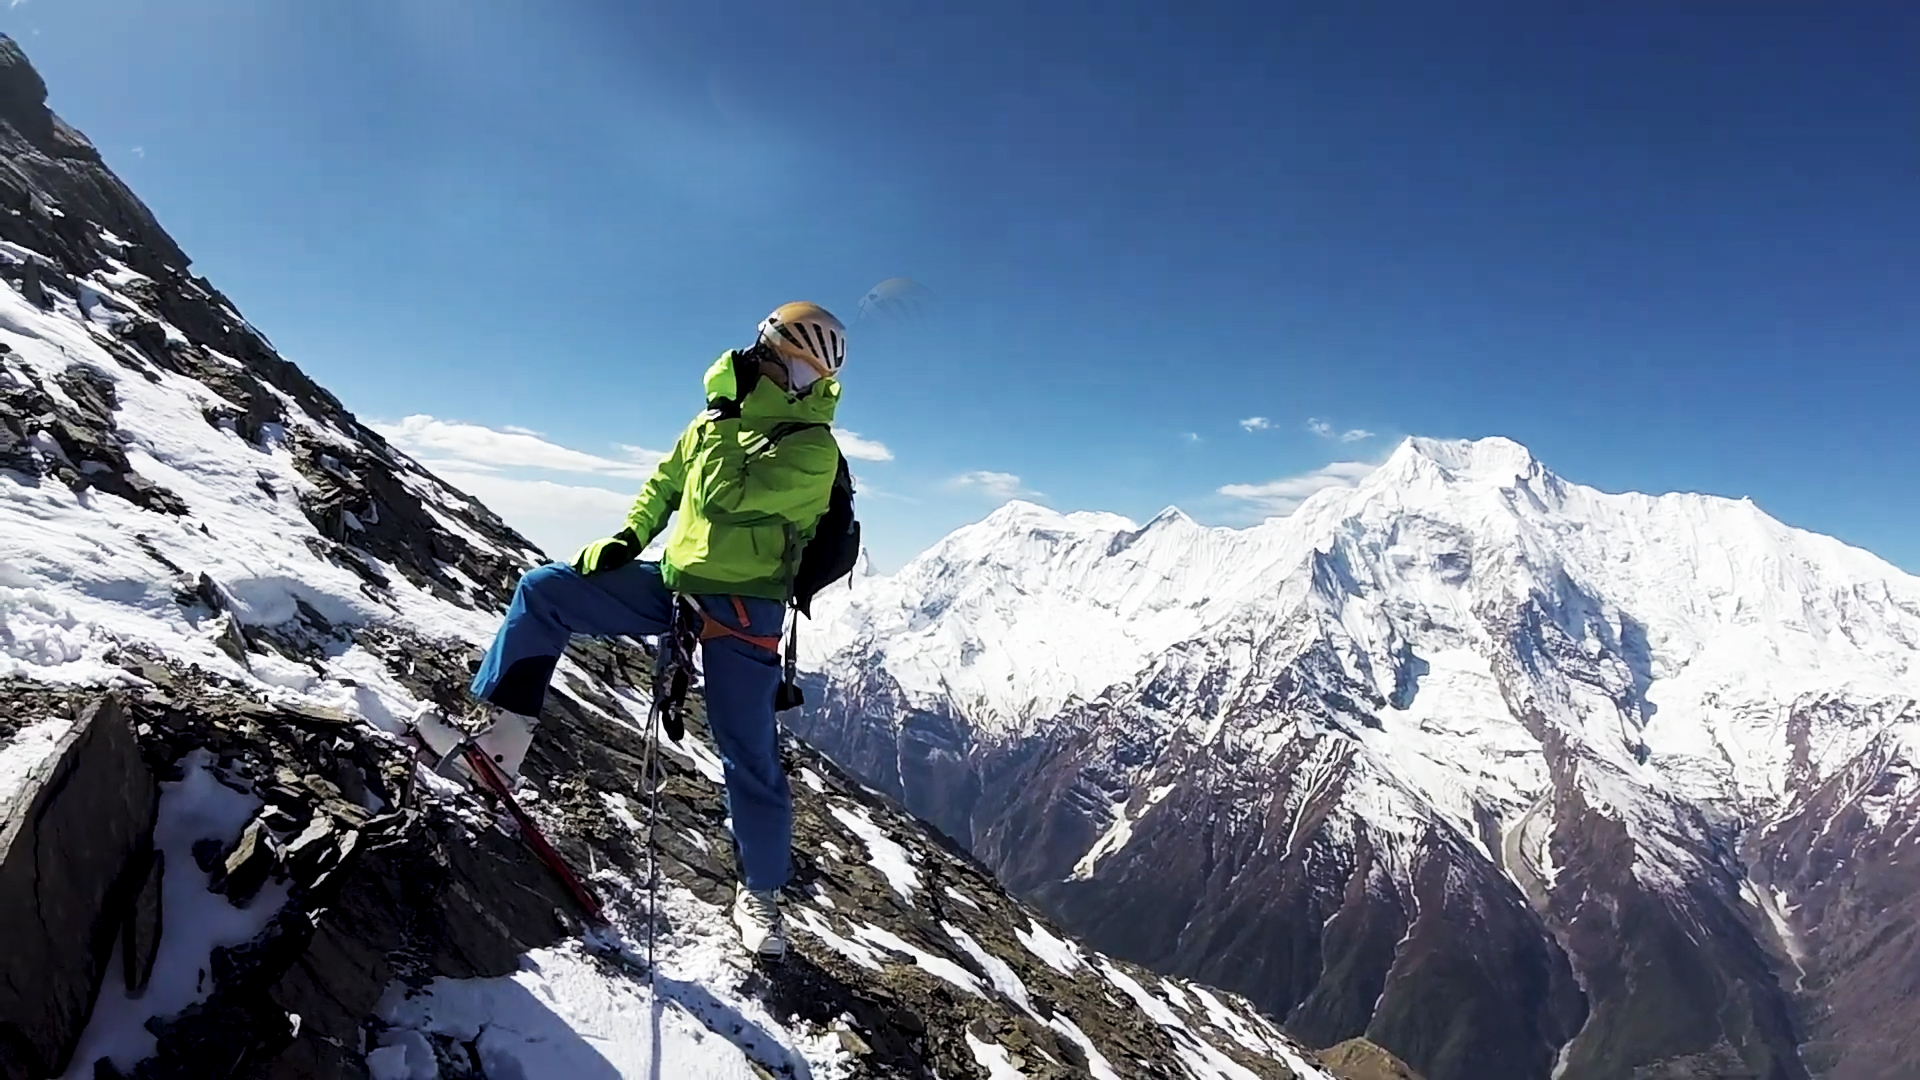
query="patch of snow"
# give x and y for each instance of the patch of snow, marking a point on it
(993, 1058)
(1118, 834)
(1233, 1024)
(561, 1015)
(705, 761)
(1097, 1063)
(1156, 1010)
(883, 854)
(955, 894)
(616, 805)
(1057, 953)
(812, 780)
(998, 972)
(938, 966)
(196, 921)
(403, 1055)
(27, 750)
(1201, 1058)
(817, 925)
(568, 1013)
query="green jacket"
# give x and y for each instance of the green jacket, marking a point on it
(746, 508)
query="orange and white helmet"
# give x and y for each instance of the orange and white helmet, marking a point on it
(807, 338)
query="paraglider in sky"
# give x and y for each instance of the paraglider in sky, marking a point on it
(898, 300)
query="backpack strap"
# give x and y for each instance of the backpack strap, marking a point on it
(780, 431)
(746, 374)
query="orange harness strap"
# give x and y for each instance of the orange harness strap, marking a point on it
(713, 628)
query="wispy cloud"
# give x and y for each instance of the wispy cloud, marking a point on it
(558, 518)
(996, 485)
(513, 448)
(1191, 436)
(1326, 431)
(138, 151)
(860, 448)
(1256, 423)
(1280, 497)
(490, 464)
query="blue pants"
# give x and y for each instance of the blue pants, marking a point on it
(554, 602)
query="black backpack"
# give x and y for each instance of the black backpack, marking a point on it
(830, 555)
(834, 549)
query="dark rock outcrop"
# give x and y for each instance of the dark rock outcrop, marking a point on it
(1358, 1059)
(1850, 862)
(73, 852)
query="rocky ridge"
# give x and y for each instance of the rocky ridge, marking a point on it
(210, 563)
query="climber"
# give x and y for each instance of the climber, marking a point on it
(750, 478)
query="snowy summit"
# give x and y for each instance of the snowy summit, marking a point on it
(1583, 703)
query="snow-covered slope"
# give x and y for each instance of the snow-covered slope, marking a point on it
(206, 557)
(1463, 653)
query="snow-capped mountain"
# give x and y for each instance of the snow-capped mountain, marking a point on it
(219, 593)
(1515, 777)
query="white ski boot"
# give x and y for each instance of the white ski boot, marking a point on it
(757, 916)
(501, 735)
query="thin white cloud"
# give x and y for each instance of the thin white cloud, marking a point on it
(512, 448)
(138, 151)
(1326, 431)
(996, 485)
(485, 462)
(559, 518)
(860, 448)
(1190, 436)
(443, 466)
(1256, 423)
(1280, 497)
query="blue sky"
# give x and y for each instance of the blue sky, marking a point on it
(1667, 247)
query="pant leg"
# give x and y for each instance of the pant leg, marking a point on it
(740, 685)
(550, 605)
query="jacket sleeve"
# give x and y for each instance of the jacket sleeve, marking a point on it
(661, 493)
(790, 481)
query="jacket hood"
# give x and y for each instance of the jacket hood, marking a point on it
(767, 401)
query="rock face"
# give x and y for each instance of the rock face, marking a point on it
(268, 587)
(1358, 1059)
(1840, 876)
(74, 842)
(1511, 777)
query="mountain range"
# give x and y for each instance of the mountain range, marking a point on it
(1512, 777)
